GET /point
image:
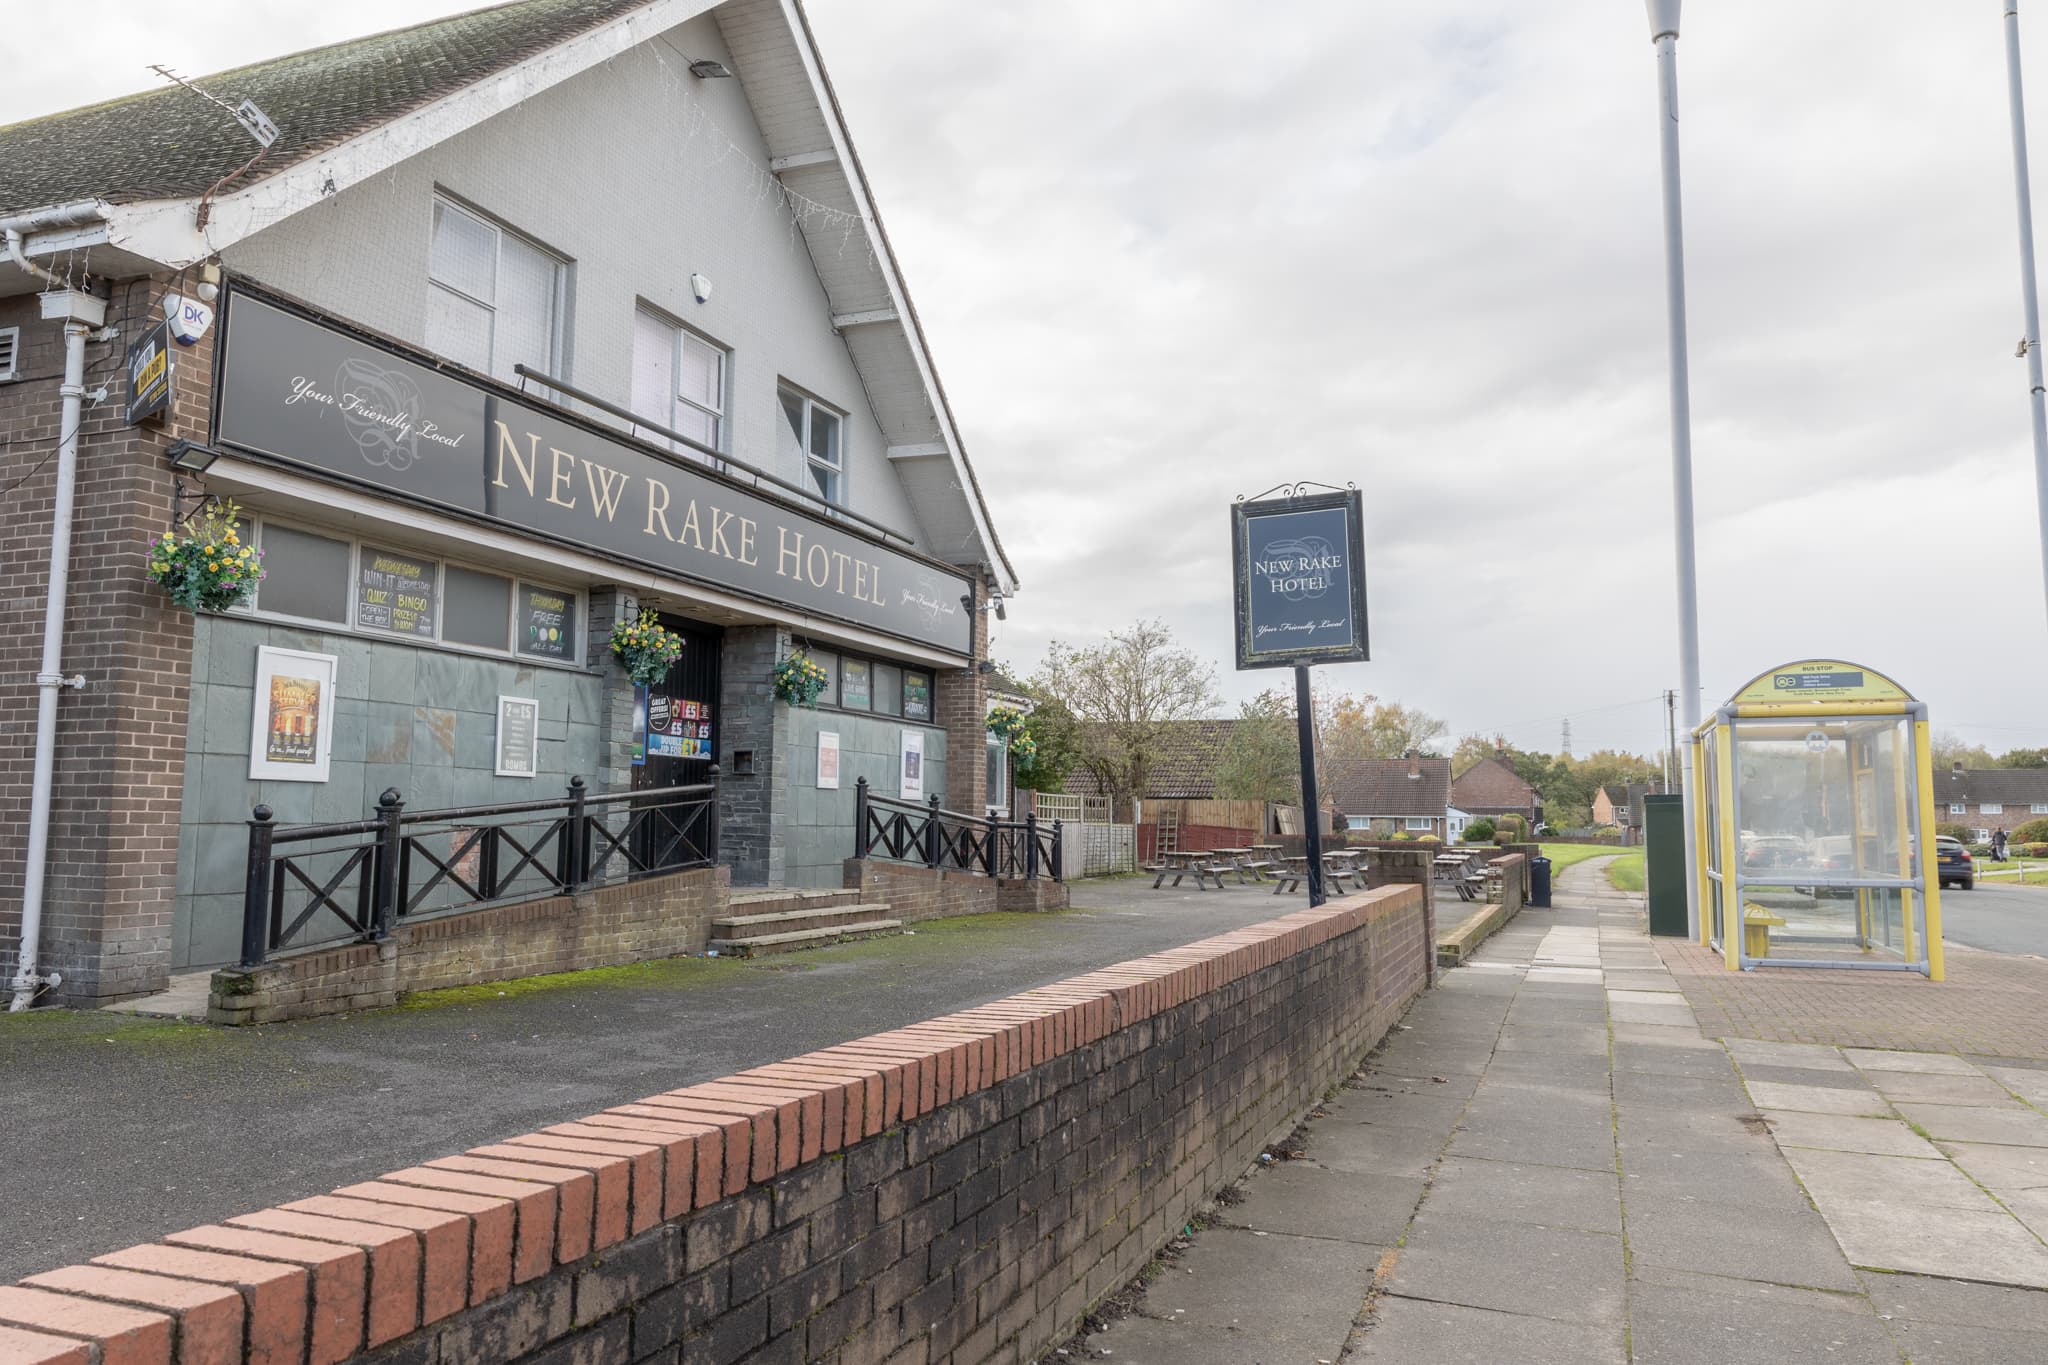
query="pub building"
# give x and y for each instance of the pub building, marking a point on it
(526, 321)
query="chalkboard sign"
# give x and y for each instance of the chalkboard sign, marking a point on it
(1300, 565)
(547, 623)
(917, 695)
(396, 593)
(854, 686)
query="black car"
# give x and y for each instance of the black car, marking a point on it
(1955, 866)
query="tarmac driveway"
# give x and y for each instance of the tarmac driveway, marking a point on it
(121, 1129)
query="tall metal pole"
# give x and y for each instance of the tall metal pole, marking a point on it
(1664, 34)
(2029, 294)
(1311, 800)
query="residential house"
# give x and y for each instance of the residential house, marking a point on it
(1490, 788)
(1610, 805)
(1183, 766)
(1385, 796)
(1621, 805)
(1989, 799)
(529, 321)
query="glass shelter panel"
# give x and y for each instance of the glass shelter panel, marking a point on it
(1826, 816)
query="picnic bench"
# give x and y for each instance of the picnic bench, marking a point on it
(1197, 863)
(1338, 868)
(1455, 870)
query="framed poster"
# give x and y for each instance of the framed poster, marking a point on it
(828, 760)
(518, 737)
(291, 728)
(1300, 569)
(912, 783)
(855, 685)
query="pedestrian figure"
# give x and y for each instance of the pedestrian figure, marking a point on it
(1998, 845)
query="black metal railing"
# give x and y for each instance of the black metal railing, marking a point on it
(311, 885)
(909, 832)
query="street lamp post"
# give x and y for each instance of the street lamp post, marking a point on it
(2030, 344)
(1664, 34)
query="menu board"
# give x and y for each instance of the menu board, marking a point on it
(917, 695)
(855, 686)
(546, 627)
(395, 592)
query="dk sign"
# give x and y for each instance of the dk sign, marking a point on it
(1300, 568)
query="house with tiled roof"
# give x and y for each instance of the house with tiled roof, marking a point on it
(1491, 788)
(1990, 799)
(497, 331)
(1410, 795)
(1186, 754)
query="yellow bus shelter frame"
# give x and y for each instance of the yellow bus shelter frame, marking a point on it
(1806, 695)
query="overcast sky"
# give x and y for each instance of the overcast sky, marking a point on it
(1172, 251)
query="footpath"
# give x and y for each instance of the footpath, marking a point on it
(1551, 1162)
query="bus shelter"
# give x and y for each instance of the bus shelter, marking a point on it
(1814, 801)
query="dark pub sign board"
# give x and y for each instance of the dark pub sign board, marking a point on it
(1300, 569)
(314, 395)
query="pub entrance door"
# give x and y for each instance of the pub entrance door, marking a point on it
(675, 744)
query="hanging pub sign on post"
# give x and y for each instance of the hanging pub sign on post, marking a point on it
(1299, 563)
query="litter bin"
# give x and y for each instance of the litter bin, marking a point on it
(1664, 850)
(1539, 882)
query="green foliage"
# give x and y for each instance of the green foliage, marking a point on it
(1514, 827)
(649, 649)
(2032, 832)
(1056, 738)
(1126, 690)
(208, 568)
(1953, 831)
(1480, 831)
(1262, 759)
(1948, 749)
(1627, 873)
(2024, 758)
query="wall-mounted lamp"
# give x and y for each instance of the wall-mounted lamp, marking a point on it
(706, 69)
(190, 458)
(994, 604)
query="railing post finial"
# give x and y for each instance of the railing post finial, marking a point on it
(256, 888)
(390, 851)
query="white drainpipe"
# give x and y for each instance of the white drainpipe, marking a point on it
(82, 313)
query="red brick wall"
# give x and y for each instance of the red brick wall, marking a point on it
(961, 707)
(919, 893)
(630, 922)
(112, 868)
(960, 1190)
(1196, 837)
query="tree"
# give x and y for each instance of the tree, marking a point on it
(1126, 692)
(1057, 734)
(2023, 758)
(1948, 749)
(1366, 727)
(1262, 759)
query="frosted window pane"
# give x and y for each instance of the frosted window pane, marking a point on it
(458, 329)
(303, 575)
(476, 609)
(824, 436)
(527, 279)
(465, 252)
(703, 373)
(653, 363)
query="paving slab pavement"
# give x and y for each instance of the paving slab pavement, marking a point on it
(1559, 1166)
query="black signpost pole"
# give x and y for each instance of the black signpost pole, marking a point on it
(1311, 802)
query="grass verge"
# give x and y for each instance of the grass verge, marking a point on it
(1626, 872)
(1563, 856)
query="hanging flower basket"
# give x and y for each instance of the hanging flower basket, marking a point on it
(1005, 722)
(647, 648)
(208, 568)
(798, 681)
(1025, 748)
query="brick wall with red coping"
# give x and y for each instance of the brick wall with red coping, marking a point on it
(960, 1190)
(921, 893)
(630, 922)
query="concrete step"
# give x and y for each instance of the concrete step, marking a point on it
(772, 899)
(796, 939)
(780, 921)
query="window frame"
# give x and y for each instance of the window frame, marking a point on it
(996, 762)
(2037, 808)
(812, 404)
(1412, 823)
(1958, 808)
(834, 696)
(558, 332)
(1990, 808)
(349, 624)
(680, 333)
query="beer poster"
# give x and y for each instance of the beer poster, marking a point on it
(292, 730)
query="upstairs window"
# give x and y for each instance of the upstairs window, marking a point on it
(1991, 808)
(811, 442)
(679, 379)
(494, 299)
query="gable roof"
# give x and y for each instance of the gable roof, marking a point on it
(169, 143)
(1184, 768)
(123, 181)
(1491, 785)
(1384, 787)
(2003, 786)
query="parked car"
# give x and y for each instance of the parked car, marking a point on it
(1774, 850)
(1954, 865)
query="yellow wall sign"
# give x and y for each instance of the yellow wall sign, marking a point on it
(1819, 680)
